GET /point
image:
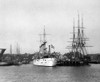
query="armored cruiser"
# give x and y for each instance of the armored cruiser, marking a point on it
(44, 57)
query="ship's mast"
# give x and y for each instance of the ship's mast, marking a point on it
(44, 40)
(18, 49)
(82, 27)
(40, 39)
(80, 38)
(73, 32)
(83, 39)
(78, 43)
(10, 49)
(44, 35)
(73, 42)
(43, 45)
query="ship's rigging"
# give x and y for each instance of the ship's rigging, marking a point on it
(78, 47)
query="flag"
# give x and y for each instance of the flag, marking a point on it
(52, 46)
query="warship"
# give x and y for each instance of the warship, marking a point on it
(44, 57)
(77, 55)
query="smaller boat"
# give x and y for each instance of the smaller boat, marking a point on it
(44, 57)
(1, 54)
(3, 64)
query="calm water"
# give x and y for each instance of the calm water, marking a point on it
(30, 73)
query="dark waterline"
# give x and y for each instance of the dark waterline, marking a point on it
(30, 73)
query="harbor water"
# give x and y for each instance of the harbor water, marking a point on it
(31, 73)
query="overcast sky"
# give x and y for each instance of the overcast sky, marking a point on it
(21, 21)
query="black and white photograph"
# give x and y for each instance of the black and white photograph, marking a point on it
(49, 41)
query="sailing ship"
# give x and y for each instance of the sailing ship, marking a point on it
(44, 57)
(78, 53)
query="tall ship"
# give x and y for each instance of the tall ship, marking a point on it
(77, 51)
(44, 57)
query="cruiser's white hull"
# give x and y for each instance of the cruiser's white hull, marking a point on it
(45, 62)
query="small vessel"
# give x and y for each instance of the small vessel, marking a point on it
(1, 54)
(44, 57)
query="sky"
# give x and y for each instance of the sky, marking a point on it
(21, 21)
